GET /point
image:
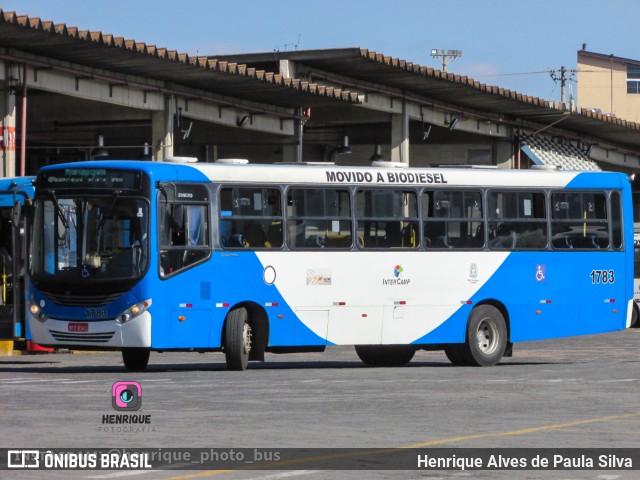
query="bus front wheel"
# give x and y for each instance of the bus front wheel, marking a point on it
(486, 337)
(237, 335)
(385, 355)
(135, 359)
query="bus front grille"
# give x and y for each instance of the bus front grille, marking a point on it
(82, 300)
(101, 337)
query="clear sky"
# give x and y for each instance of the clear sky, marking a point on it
(509, 43)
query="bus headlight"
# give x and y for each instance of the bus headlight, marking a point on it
(37, 312)
(133, 311)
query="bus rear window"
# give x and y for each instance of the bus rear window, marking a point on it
(579, 220)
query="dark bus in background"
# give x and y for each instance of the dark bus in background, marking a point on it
(15, 195)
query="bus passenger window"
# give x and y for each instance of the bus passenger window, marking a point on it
(319, 218)
(616, 220)
(579, 221)
(452, 219)
(517, 220)
(250, 217)
(387, 218)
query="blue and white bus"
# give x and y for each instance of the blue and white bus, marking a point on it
(247, 259)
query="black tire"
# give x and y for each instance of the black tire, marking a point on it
(237, 343)
(135, 359)
(486, 337)
(455, 356)
(385, 355)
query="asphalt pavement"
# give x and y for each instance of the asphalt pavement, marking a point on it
(581, 392)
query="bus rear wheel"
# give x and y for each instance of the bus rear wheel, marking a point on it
(385, 355)
(237, 335)
(486, 337)
(135, 359)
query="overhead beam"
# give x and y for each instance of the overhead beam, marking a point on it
(145, 94)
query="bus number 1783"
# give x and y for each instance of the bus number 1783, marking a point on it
(602, 276)
(96, 312)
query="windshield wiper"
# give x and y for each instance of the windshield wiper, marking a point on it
(104, 216)
(107, 214)
(59, 210)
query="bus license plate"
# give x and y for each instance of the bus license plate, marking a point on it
(78, 327)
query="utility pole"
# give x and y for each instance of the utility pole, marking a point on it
(452, 54)
(561, 76)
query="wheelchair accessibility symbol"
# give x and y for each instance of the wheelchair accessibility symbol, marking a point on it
(541, 273)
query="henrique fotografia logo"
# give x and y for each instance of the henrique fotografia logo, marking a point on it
(126, 396)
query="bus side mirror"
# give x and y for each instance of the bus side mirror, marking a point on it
(16, 214)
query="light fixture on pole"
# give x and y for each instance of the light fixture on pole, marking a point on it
(344, 148)
(377, 154)
(100, 151)
(452, 54)
(146, 152)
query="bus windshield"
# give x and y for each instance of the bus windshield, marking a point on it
(87, 238)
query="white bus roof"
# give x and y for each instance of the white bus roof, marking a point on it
(318, 174)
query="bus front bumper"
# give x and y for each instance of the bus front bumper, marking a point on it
(135, 333)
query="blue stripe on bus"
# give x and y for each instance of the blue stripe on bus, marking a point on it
(593, 180)
(576, 304)
(242, 281)
(159, 171)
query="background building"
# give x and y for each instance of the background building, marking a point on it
(609, 84)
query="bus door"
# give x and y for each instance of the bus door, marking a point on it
(6, 274)
(14, 200)
(184, 244)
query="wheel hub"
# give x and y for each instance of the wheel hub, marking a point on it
(246, 338)
(488, 336)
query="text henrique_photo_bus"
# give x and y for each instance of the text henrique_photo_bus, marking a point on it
(248, 259)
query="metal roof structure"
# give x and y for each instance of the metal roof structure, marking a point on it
(451, 89)
(117, 54)
(543, 151)
(323, 78)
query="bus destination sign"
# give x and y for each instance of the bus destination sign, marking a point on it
(91, 178)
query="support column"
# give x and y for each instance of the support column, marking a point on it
(8, 116)
(287, 68)
(162, 131)
(290, 153)
(299, 136)
(400, 135)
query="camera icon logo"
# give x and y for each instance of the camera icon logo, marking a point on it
(126, 396)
